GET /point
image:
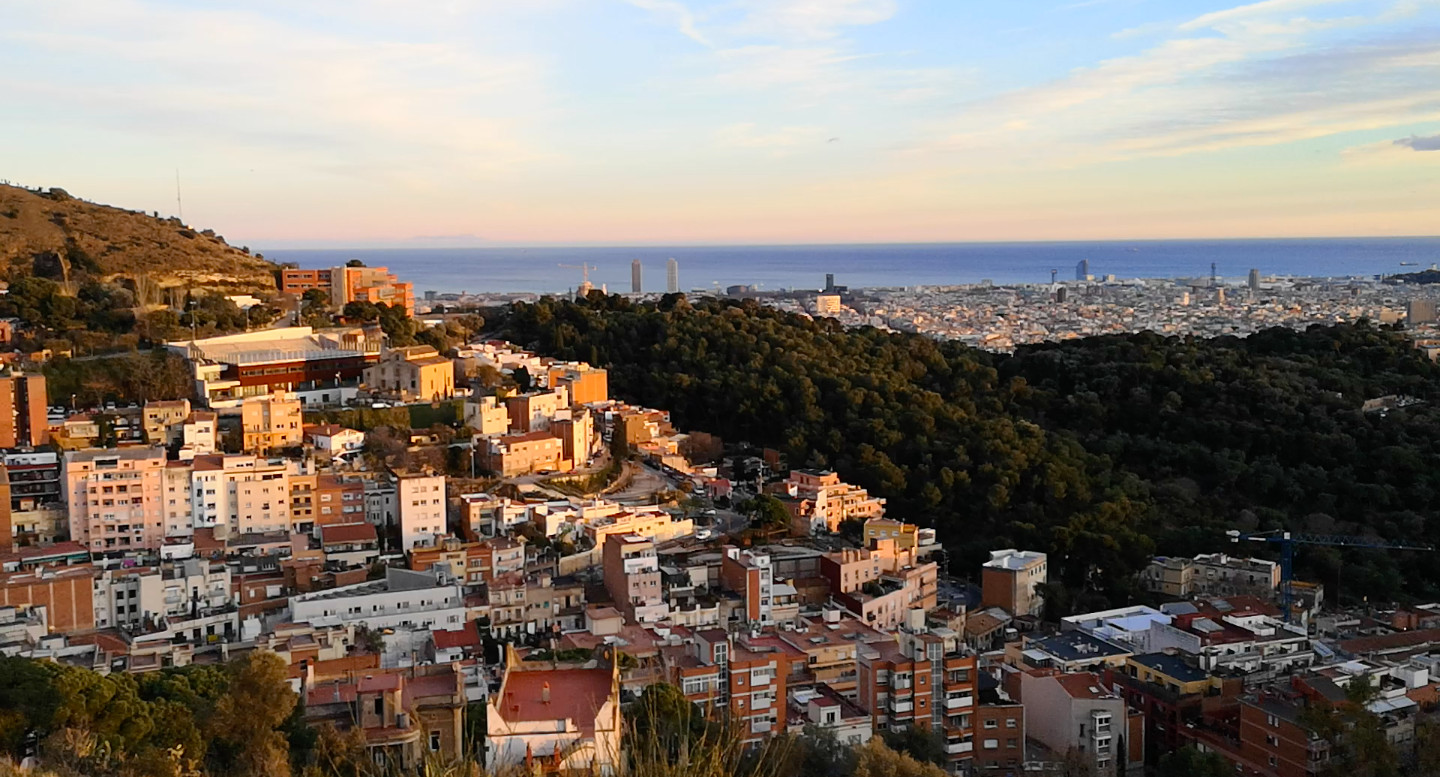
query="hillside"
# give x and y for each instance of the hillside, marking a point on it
(1100, 451)
(54, 235)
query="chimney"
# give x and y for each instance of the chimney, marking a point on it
(545, 693)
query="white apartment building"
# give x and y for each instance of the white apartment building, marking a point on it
(420, 499)
(404, 599)
(244, 493)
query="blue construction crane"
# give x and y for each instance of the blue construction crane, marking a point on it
(1288, 540)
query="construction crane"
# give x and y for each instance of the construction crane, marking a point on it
(1288, 540)
(584, 270)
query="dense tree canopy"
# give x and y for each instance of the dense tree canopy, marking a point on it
(1100, 451)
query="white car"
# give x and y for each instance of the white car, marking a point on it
(704, 534)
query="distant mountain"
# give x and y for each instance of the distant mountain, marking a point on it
(54, 235)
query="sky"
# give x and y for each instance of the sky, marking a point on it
(353, 123)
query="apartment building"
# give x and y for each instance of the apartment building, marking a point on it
(583, 383)
(927, 678)
(420, 503)
(741, 679)
(67, 595)
(488, 416)
(403, 599)
(416, 373)
(472, 563)
(1076, 712)
(351, 284)
(350, 544)
(632, 577)
(244, 493)
(532, 412)
(162, 414)
(575, 428)
(830, 646)
(522, 454)
(999, 737)
(36, 498)
(879, 586)
(601, 521)
(339, 499)
(1011, 580)
(747, 572)
(1211, 574)
(271, 422)
(24, 409)
(116, 498)
(831, 502)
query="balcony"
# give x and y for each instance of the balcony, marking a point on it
(958, 702)
(902, 704)
(956, 748)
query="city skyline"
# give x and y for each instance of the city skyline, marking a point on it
(785, 121)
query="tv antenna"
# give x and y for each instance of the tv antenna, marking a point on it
(179, 207)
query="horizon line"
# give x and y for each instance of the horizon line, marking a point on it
(414, 244)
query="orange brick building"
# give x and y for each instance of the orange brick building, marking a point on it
(67, 594)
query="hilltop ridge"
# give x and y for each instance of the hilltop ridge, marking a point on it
(52, 234)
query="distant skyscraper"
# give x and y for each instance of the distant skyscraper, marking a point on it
(1082, 270)
(1254, 279)
(1420, 311)
(672, 277)
(829, 281)
(635, 285)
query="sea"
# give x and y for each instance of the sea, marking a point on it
(779, 267)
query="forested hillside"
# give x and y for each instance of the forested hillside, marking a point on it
(1100, 451)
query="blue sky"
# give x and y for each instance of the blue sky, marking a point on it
(381, 122)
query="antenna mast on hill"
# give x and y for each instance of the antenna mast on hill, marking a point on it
(178, 207)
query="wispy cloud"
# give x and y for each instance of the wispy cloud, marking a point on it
(353, 106)
(1243, 77)
(811, 19)
(677, 13)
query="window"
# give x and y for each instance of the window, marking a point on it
(991, 744)
(1272, 721)
(1272, 740)
(992, 724)
(380, 706)
(434, 741)
(1274, 761)
(1009, 723)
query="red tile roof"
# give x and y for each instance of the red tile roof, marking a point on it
(575, 695)
(466, 636)
(1083, 685)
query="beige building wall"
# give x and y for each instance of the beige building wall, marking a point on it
(116, 498)
(421, 505)
(271, 422)
(160, 415)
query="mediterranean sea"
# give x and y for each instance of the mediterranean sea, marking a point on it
(771, 268)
